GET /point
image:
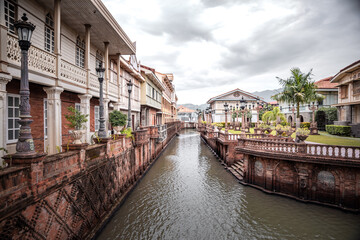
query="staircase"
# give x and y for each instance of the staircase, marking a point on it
(237, 169)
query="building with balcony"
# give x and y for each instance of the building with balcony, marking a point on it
(67, 46)
(186, 114)
(151, 97)
(169, 98)
(348, 106)
(232, 98)
(324, 87)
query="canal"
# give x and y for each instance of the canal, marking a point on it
(187, 194)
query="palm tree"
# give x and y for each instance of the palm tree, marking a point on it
(298, 89)
(274, 115)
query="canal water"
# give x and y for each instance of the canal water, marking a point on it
(187, 194)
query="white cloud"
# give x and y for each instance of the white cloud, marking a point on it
(215, 46)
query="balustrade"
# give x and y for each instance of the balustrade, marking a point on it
(73, 74)
(94, 82)
(39, 60)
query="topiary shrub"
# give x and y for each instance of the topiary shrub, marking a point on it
(305, 125)
(338, 130)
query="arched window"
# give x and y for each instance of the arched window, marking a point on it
(80, 52)
(49, 33)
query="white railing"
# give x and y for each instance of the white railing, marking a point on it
(113, 89)
(39, 60)
(94, 82)
(72, 73)
(333, 151)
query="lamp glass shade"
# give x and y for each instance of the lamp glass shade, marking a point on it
(100, 72)
(130, 85)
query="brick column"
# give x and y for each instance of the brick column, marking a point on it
(54, 118)
(85, 109)
(4, 79)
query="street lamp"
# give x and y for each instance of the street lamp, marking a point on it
(100, 71)
(130, 85)
(25, 144)
(243, 111)
(226, 111)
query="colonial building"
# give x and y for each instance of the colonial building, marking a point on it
(348, 82)
(168, 106)
(70, 40)
(151, 97)
(324, 87)
(186, 114)
(232, 98)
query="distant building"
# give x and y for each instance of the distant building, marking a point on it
(232, 98)
(151, 97)
(324, 87)
(348, 106)
(186, 114)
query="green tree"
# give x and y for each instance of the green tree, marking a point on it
(298, 89)
(274, 115)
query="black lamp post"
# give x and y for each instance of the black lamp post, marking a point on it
(25, 144)
(130, 85)
(242, 106)
(226, 111)
(100, 73)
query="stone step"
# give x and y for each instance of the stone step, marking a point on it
(238, 171)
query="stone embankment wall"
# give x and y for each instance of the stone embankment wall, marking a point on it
(71, 194)
(324, 174)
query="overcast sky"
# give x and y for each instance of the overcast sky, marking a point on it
(214, 46)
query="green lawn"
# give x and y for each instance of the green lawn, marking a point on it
(323, 138)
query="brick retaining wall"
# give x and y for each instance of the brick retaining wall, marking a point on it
(71, 194)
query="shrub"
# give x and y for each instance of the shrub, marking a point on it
(128, 133)
(253, 124)
(305, 125)
(117, 118)
(302, 131)
(338, 130)
(76, 118)
(331, 114)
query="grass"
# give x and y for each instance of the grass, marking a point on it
(323, 138)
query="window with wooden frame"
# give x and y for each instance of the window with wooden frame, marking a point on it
(97, 117)
(49, 36)
(99, 58)
(356, 87)
(13, 116)
(10, 13)
(344, 91)
(80, 52)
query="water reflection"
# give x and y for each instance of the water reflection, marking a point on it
(187, 194)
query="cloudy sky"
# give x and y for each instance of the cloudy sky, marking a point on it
(214, 46)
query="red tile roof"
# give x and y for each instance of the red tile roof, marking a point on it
(325, 83)
(182, 109)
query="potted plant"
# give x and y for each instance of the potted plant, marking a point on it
(117, 120)
(302, 134)
(76, 120)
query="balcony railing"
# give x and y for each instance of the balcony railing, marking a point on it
(39, 60)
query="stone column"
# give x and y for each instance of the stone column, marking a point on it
(107, 65)
(347, 113)
(54, 118)
(85, 109)
(57, 39)
(87, 55)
